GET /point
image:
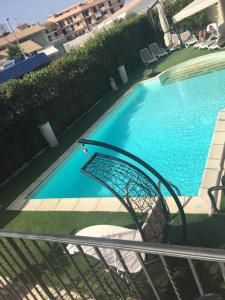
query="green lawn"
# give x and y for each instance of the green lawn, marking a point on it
(202, 231)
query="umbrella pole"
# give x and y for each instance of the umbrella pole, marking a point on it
(154, 28)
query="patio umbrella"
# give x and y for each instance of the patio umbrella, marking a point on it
(164, 24)
(197, 6)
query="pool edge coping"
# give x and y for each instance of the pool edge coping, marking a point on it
(214, 166)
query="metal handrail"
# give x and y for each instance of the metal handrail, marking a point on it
(217, 187)
(212, 198)
(188, 252)
(150, 169)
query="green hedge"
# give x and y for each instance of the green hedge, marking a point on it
(65, 90)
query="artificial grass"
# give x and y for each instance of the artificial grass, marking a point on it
(59, 222)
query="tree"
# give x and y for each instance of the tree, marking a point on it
(14, 51)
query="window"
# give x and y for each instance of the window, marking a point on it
(112, 10)
(86, 13)
(61, 24)
(74, 16)
(110, 3)
(94, 9)
(121, 5)
(55, 34)
(46, 31)
(50, 38)
(69, 20)
(81, 32)
(78, 24)
(89, 20)
(101, 5)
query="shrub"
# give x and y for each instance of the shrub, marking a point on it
(65, 90)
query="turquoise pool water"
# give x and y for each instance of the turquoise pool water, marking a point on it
(169, 126)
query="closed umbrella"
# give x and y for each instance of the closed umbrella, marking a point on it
(164, 24)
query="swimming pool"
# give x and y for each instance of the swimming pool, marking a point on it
(169, 126)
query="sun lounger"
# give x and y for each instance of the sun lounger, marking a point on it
(176, 44)
(156, 51)
(187, 39)
(207, 43)
(146, 56)
(220, 42)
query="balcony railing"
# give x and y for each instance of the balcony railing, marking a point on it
(39, 266)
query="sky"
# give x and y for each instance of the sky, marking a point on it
(30, 11)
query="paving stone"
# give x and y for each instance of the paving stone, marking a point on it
(209, 178)
(108, 204)
(32, 204)
(48, 204)
(219, 138)
(216, 151)
(220, 125)
(86, 204)
(66, 204)
(213, 164)
(221, 115)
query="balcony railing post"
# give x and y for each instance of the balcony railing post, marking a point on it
(99, 254)
(149, 280)
(36, 262)
(21, 277)
(52, 269)
(195, 275)
(91, 269)
(222, 268)
(34, 276)
(12, 288)
(129, 276)
(170, 276)
(79, 272)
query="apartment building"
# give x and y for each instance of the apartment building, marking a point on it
(44, 35)
(83, 17)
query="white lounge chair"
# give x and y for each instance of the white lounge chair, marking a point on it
(111, 232)
(176, 44)
(220, 42)
(188, 39)
(156, 51)
(207, 43)
(152, 228)
(146, 56)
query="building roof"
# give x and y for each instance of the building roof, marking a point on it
(70, 11)
(30, 46)
(134, 6)
(50, 51)
(27, 46)
(21, 34)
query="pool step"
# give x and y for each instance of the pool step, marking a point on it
(191, 71)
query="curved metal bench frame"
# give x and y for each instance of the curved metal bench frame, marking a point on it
(125, 200)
